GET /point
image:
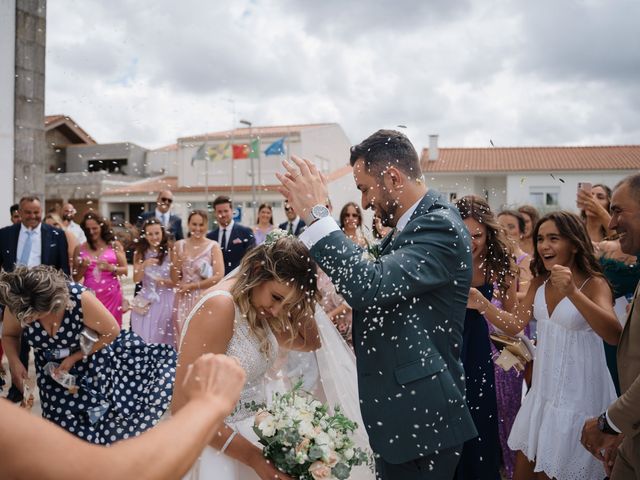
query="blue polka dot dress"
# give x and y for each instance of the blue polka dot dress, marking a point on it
(124, 388)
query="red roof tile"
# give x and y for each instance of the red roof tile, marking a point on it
(519, 159)
(55, 121)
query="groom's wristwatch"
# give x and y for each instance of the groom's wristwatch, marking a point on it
(604, 426)
(317, 212)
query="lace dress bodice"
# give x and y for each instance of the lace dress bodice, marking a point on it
(245, 347)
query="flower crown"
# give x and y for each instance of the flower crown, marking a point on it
(274, 235)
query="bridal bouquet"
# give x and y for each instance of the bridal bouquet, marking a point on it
(303, 439)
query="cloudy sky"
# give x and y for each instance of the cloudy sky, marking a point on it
(543, 72)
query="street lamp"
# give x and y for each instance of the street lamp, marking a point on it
(253, 177)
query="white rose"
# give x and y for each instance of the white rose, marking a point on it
(305, 429)
(349, 453)
(322, 439)
(267, 427)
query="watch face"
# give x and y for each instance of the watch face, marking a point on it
(319, 211)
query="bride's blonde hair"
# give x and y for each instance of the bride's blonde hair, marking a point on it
(287, 261)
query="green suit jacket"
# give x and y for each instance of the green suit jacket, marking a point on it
(408, 314)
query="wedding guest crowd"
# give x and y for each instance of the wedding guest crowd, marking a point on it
(573, 276)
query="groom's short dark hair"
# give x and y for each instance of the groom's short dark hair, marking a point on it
(386, 148)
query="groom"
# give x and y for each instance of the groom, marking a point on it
(408, 304)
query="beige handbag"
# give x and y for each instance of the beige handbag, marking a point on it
(515, 352)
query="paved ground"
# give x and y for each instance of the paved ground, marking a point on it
(128, 288)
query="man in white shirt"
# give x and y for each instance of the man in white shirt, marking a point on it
(172, 223)
(234, 239)
(294, 224)
(68, 213)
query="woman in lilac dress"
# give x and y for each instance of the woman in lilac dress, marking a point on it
(265, 223)
(99, 262)
(152, 307)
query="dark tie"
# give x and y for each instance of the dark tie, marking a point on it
(290, 228)
(224, 238)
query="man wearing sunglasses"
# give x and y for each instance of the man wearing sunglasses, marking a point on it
(172, 223)
(294, 224)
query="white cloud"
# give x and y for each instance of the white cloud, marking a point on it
(527, 73)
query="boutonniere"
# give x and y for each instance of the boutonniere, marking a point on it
(373, 251)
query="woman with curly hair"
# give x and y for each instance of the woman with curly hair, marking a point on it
(99, 262)
(493, 396)
(95, 381)
(572, 301)
(267, 302)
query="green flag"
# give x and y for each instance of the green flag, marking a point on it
(254, 148)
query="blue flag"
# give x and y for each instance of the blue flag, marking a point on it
(276, 148)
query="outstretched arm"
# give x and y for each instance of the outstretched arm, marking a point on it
(213, 386)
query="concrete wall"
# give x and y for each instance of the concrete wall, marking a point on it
(56, 143)
(30, 148)
(78, 156)
(7, 89)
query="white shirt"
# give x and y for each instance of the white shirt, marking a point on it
(228, 228)
(35, 257)
(323, 227)
(406, 216)
(163, 217)
(77, 231)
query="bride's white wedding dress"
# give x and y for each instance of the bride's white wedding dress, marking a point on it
(333, 366)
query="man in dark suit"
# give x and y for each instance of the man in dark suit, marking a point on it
(31, 242)
(172, 223)
(234, 239)
(408, 305)
(294, 224)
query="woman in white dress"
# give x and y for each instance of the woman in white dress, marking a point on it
(572, 302)
(268, 301)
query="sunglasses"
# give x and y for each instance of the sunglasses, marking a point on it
(287, 209)
(166, 200)
(354, 215)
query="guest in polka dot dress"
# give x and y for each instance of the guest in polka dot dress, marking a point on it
(123, 384)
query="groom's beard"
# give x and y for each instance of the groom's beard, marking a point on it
(386, 210)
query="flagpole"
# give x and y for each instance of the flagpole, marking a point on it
(206, 172)
(260, 186)
(233, 135)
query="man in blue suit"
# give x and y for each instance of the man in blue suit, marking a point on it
(294, 224)
(408, 305)
(172, 223)
(234, 239)
(31, 242)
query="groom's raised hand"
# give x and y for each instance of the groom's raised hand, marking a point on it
(303, 186)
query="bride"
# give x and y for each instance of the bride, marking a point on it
(266, 304)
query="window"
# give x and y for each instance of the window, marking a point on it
(111, 166)
(544, 196)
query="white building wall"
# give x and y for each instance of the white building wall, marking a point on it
(7, 94)
(161, 162)
(520, 186)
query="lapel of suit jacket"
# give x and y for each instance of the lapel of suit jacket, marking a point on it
(13, 247)
(423, 207)
(45, 240)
